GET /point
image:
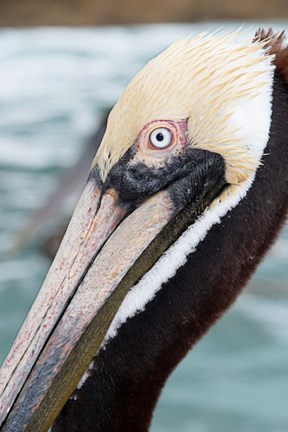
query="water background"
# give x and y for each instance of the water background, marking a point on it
(54, 86)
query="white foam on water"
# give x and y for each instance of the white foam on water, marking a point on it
(271, 313)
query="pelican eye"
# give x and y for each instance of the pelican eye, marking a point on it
(161, 138)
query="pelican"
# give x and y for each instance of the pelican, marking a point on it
(187, 192)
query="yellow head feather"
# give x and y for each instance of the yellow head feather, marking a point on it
(207, 79)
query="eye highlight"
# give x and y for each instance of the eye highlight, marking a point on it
(161, 138)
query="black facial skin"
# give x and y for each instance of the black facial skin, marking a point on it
(185, 176)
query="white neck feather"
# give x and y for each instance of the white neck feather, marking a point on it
(253, 118)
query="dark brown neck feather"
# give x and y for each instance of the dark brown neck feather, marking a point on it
(129, 374)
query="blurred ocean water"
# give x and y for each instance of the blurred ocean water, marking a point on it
(54, 86)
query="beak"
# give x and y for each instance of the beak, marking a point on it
(97, 263)
(108, 247)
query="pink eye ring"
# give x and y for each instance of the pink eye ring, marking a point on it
(161, 138)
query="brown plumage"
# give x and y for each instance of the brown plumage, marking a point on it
(276, 43)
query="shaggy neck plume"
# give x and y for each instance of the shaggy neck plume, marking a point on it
(128, 375)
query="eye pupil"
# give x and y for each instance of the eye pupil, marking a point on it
(159, 136)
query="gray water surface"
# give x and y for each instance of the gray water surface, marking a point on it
(54, 86)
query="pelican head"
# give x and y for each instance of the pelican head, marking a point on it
(182, 149)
